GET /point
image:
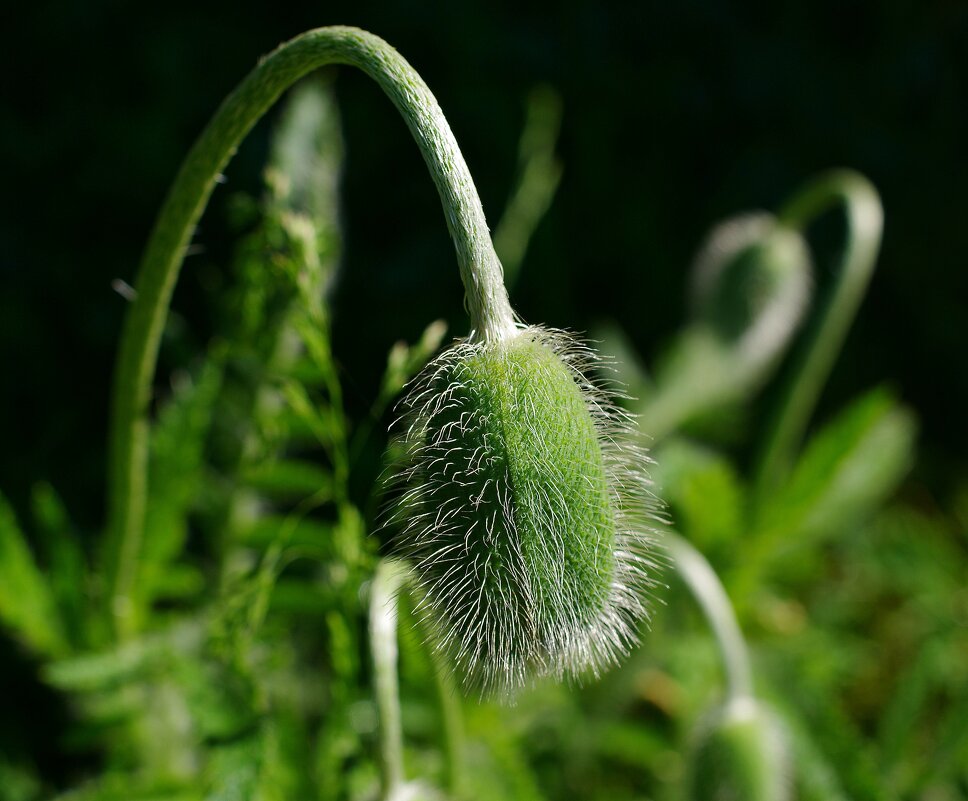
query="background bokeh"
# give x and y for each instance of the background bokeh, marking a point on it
(675, 116)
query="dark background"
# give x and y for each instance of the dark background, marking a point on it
(675, 115)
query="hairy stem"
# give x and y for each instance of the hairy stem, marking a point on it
(827, 332)
(486, 298)
(709, 593)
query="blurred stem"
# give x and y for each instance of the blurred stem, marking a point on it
(539, 175)
(709, 593)
(389, 579)
(486, 298)
(452, 728)
(392, 578)
(451, 718)
(828, 330)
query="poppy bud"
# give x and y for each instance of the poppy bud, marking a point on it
(524, 511)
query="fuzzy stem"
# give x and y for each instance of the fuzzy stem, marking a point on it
(486, 298)
(826, 336)
(709, 593)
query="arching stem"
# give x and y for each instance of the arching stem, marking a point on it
(486, 298)
(826, 334)
(709, 593)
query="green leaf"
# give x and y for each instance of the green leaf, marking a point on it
(105, 669)
(704, 492)
(292, 530)
(846, 471)
(28, 607)
(405, 361)
(121, 787)
(288, 479)
(65, 559)
(17, 782)
(176, 474)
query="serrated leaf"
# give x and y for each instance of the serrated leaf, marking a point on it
(65, 559)
(28, 607)
(176, 474)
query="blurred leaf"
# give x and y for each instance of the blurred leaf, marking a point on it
(133, 659)
(622, 357)
(295, 532)
(847, 469)
(539, 173)
(405, 361)
(288, 479)
(899, 721)
(28, 607)
(17, 782)
(307, 154)
(705, 494)
(176, 474)
(65, 559)
(129, 788)
(814, 777)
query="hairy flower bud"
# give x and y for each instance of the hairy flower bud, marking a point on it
(751, 285)
(524, 512)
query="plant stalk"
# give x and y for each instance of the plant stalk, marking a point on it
(486, 297)
(827, 332)
(709, 593)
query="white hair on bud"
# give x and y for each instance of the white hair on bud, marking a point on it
(504, 611)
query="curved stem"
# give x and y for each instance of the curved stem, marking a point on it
(829, 329)
(486, 298)
(709, 593)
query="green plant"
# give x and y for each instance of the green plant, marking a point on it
(243, 634)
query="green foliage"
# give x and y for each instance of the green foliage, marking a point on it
(27, 605)
(247, 674)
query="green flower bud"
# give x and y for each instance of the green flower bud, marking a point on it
(524, 512)
(740, 755)
(751, 284)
